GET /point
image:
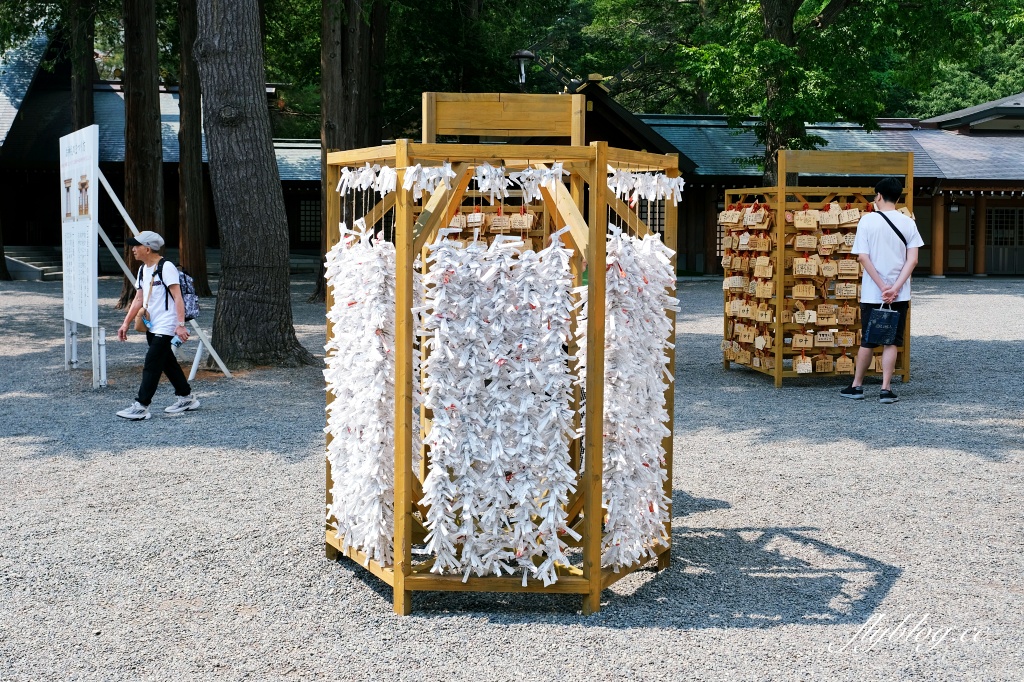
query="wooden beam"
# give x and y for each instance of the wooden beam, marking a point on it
(385, 573)
(432, 215)
(609, 576)
(577, 136)
(667, 443)
(623, 210)
(429, 117)
(641, 161)
(563, 207)
(539, 153)
(938, 236)
(980, 234)
(453, 583)
(380, 210)
(591, 480)
(333, 232)
(848, 163)
(405, 254)
(371, 155)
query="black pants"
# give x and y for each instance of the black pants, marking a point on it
(160, 359)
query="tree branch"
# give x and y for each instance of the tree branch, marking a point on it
(832, 10)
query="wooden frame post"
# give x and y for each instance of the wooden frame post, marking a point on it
(404, 258)
(672, 242)
(780, 266)
(980, 235)
(594, 428)
(938, 236)
(333, 235)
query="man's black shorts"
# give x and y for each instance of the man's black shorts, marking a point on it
(865, 312)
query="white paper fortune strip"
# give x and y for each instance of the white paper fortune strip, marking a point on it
(648, 186)
(360, 374)
(637, 331)
(495, 328)
(384, 179)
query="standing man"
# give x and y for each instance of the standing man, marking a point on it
(159, 294)
(886, 245)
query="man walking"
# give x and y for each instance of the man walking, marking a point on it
(159, 295)
(886, 244)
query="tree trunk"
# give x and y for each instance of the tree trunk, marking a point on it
(143, 156)
(191, 216)
(82, 21)
(253, 321)
(5, 275)
(778, 18)
(351, 93)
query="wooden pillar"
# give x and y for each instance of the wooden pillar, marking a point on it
(938, 236)
(780, 270)
(594, 428)
(980, 235)
(333, 232)
(403, 382)
(429, 117)
(672, 242)
(578, 135)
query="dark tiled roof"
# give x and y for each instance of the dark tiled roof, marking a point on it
(974, 157)
(708, 142)
(50, 116)
(716, 148)
(109, 104)
(18, 67)
(1007, 106)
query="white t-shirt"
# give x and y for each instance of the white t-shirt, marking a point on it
(164, 319)
(888, 254)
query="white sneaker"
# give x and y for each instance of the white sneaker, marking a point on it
(135, 413)
(184, 403)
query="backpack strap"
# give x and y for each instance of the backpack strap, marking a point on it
(160, 270)
(894, 229)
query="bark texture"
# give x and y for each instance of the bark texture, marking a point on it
(253, 320)
(778, 16)
(143, 155)
(352, 35)
(82, 21)
(191, 208)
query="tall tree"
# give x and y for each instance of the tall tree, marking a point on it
(82, 26)
(795, 61)
(192, 205)
(253, 320)
(143, 154)
(788, 62)
(352, 42)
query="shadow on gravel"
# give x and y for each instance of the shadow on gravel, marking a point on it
(719, 578)
(956, 407)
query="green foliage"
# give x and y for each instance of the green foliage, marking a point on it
(996, 71)
(292, 42)
(458, 46)
(297, 113)
(868, 60)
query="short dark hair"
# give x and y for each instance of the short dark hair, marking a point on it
(891, 189)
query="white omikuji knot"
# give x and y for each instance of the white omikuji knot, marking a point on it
(640, 282)
(496, 325)
(632, 187)
(360, 375)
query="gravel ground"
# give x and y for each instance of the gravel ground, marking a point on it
(191, 547)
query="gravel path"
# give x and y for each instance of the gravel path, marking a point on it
(191, 547)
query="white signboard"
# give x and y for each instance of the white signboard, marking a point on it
(79, 164)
